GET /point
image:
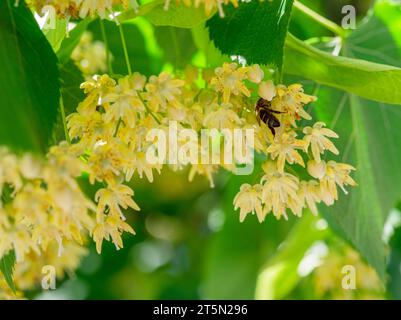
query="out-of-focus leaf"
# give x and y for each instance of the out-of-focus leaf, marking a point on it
(238, 251)
(370, 135)
(29, 80)
(280, 275)
(140, 59)
(255, 30)
(177, 45)
(7, 263)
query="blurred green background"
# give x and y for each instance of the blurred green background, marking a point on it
(190, 244)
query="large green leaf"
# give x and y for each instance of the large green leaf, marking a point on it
(374, 81)
(29, 84)
(7, 263)
(255, 30)
(370, 140)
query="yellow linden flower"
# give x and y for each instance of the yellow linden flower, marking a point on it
(316, 138)
(19, 240)
(92, 7)
(222, 117)
(309, 194)
(163, 90)
(113, 197)
(331, 174)
(328, 277)
(90, 56)
(255, 73)
(291, 100)
(267, 90)
(284, 149)
(248, 200)
(141, 165)
(206, 170)
(112, 227)
(125, 103)
(280, 190)
(28, 273)
(230, 80)
(89, 128)
(79, 8)
(107, 161)
(96, 89)
(9, 172)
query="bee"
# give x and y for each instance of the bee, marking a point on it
(265, 114)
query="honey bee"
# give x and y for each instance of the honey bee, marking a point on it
(265, 114)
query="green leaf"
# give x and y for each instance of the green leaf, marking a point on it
(7, 263)
(255, 30)
(56, 36)
(177, 45)
(374, 81)
(71, 79)
(177, 15)
(370, 135)
(71, 41)
(280, 275)
(214, 58)
(29, 80)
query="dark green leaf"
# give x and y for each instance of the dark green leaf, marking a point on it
(29, 84)
(255, 30)
(7, 263)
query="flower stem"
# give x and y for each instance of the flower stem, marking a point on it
(328, 24)
(148, 109)
(106, 43)
(118, 127)
(62, 109)
(124, 44)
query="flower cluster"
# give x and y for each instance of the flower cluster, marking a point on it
(288, 155)
(41, 202)
(79, 8)
(44, 208)
(110, 128)
(329, 277)
(90, 56)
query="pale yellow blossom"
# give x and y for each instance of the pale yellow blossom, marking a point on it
(316, 138)
(248, 201)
